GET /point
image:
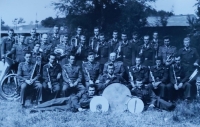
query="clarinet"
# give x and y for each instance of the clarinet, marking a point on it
(153, 78)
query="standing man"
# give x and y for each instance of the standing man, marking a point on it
(7, 43)
(72, 77)
(189, 55)
(114, 41)
(55, 38)
(91, 70)
(156, 43)
(75, 40)
(52, 72)
(28, 74)
(30, 41)
(167, 52)
(19, 49)
(93, 40)
(147, 52)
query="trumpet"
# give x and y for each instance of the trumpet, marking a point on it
(119, 50)
(88, 74)
(176, 82)
(70, 81)
(153, 78)
(78, 50)
(131, 76)
(169, 59)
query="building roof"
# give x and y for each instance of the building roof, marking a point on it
(175, 20)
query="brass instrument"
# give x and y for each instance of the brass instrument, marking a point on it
(74, 41)
(88, 74)
(153, 78)
(131, 76)
(78, 50)
(176, 82)
(49, 79)
(70, 82)
(141, 50)
(169, 59)
(59, 51)
(38, 62)
(119, 50)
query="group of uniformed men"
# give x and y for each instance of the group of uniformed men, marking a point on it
(57, 66)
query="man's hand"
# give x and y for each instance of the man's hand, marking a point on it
(107, 81)
(81, 109)
(28, 82)
(59, 75)
(133, 85)
(91, 82)
(180, 85)
(49, 85)
(196, 64)
(75, 83)
(176, 87)
(71, 84)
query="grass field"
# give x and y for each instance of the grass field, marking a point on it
(185, 115)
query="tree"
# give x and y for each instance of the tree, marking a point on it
(17, 21)
(48, 22)
(3, 26)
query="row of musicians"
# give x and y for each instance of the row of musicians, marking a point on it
(126, 50)
(167, 82)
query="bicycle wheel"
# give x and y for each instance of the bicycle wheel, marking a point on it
(9, 86)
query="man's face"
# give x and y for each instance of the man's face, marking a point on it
(158, 62)
(137, 61)
(27, 58)
(56, 30)
(135, 36)
(115, 34)
(124, 37)
(91, 91)
(96, 32)
(112, 57)
(110, 70)
(21, 39)
(90, 58)
(166, 42)
(186, 43)
(72, 60)
(65, 40)
(52, 59)
(146, 39)
(37, 47)
(102, 38)
(178, 60)
(33, 33)
(44, 38)
(10, 33)
(79, 31)
(155, 35)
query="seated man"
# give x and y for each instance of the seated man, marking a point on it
(28, 74)
(52, 78)
(110, 78)
(69, 103)
(72, 78)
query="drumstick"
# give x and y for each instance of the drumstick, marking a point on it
(135, 105)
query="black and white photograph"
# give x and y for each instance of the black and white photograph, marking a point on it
(100, 63)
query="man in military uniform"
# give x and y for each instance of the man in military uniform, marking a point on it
(72, 77)
(189, 55)
(46, 48)
(93, 40)
(167, 52)
(119, 66)
(125, 50)
(91, 70)
(75, 40)
(19, 49)
(30, 41)
(36, 53)
(155, 42)
(52, 72)
(7, 43)
(179, 77)
(28, 74)
(81, 51)
(102, 51)
(55, 38)
(114, 41)
(147, 52)
(159, 79)
(109, 78)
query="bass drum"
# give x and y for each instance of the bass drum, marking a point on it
(117, 95)
(99, 104)
(135, 105)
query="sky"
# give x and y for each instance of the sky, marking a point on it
(27, 9)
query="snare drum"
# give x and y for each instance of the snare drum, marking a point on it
(135, 105)
(117, 96)
(99, 104)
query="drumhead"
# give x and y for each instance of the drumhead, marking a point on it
(99, 104)
(135, 105)
(3, 68)
(117, 96)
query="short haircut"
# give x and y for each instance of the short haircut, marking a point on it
(21, 34)
(33, 29)
(113, 53)
(71, 54)
(124, 33)
(134, 33)
(37, 44)
(186, 39)
(96, 27)
(11, 30)
(28, 52)
(115, 31)
(92, 86)
(56, 26)
(101, 34)
(177, 55)
(111, 65)
(90, 53)
(52, 54)
(79, 27)
(166, 37)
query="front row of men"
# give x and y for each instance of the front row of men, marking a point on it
(168, 83)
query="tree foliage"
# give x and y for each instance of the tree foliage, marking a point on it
(3, 26)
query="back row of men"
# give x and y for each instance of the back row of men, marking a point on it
(134, 63)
